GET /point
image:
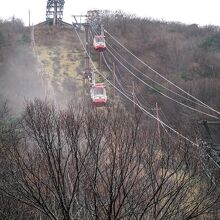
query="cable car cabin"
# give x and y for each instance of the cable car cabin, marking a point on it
(99, 43)
(98, 94)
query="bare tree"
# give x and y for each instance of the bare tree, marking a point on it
(93, 164)
(46, 166)
(132, 177)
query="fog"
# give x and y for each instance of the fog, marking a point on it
(19, 80)
(24, 72)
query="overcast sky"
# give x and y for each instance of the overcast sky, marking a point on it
(202, 12)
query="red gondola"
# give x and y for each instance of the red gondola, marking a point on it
(98, 94)
(99, 43)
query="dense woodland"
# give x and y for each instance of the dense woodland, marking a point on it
(80, 163)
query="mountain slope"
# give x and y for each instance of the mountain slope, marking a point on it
(60, 56)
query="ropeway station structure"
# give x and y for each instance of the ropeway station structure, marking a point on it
(54, 12)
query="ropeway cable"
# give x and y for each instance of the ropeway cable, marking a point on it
(163, 124)
(154, 81)
(202, 112)
(116, 78)
(156, 72)
(144, 110)
(200, 103)
(160, 91)
(203, 164)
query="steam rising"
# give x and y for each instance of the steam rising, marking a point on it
(20, 81)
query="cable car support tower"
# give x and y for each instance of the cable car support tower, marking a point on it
(54, 12)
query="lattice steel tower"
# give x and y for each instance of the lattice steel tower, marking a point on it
(54, 11)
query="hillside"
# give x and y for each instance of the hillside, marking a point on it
(50, 68)
(61, 58)
(187, 55)
(62, 162)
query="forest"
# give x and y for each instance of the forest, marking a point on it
(84, 163)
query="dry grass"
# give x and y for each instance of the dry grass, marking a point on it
(60, 53)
